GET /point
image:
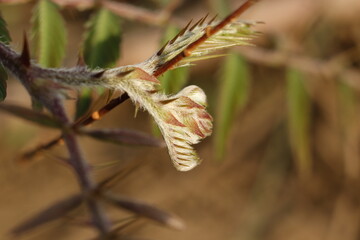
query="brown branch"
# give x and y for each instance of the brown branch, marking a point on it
(21, 67)
(333, 68)
(81, 167)
(143, 15)
(87, 121)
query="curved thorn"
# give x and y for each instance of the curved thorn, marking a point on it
(25, 54)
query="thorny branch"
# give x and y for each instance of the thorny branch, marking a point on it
(49, 94)
(24, 70)
(210, 31)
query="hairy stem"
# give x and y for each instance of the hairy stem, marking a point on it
(81, 167)
(82, 76)
(25, 71)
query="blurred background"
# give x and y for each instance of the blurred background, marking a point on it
(283, 162)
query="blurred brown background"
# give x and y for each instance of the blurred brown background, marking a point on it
(260, 190)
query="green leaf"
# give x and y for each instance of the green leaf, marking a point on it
(174, 80)
(30, 115)
(49, 33)
(5, 38)
(102, 39)
(299, 120)
(234, 93)
(4, 33)
(101, 49)
(3, 78)
(221, 7)
(83, 102)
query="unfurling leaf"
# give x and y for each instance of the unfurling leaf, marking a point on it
(171, 81)
(234, 92)
(30, 115)
(234, 34)
(299, 117)
(102, 40)
(53, 212)
(49, 33)
(124, 136)
(182, 118)
(146, 210)
(4, 33)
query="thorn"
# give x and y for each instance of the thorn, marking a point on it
(203, 19)
(212, 20)
(182, 31)
(174, 38)
(162, 49)
(25, 54)
(81, 60)
(123, 74)
(98, 74)
(185, 28)
(195, 25)
(152, 91)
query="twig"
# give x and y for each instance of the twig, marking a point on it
(81, 167)
(160, 70)
(332, 68)
(26, 72)
(143, 15)
(210, 31)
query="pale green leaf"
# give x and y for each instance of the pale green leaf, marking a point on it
(236, 33)
(221, 7)
(348, 112)
(102, 39)
(299, 120)
(49, 33)
(234, 93)
(348, 102)
(101, 49)
(174, 80)
(4, 33)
